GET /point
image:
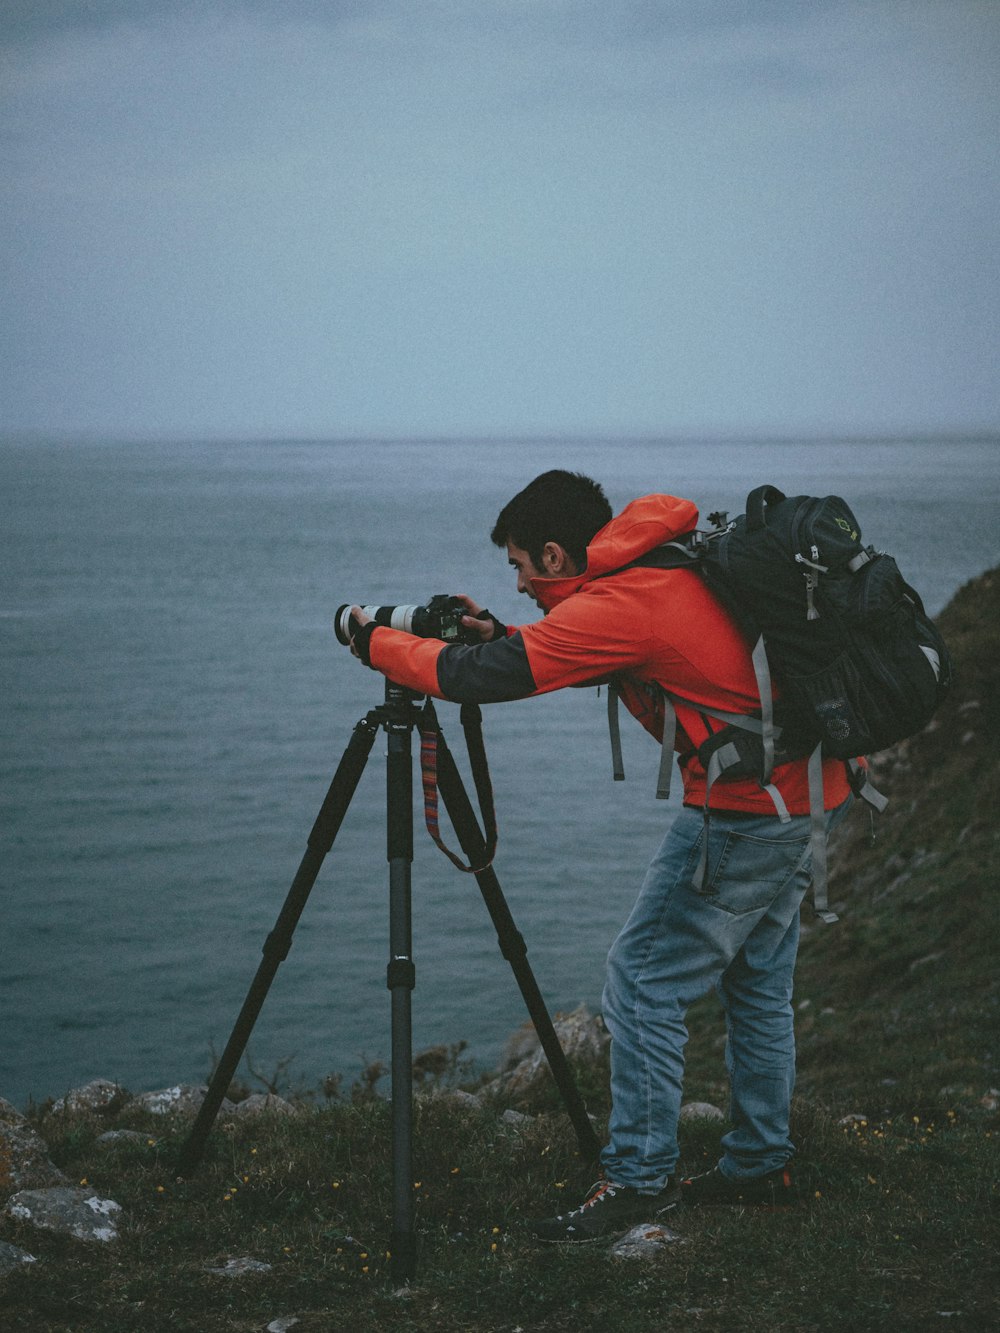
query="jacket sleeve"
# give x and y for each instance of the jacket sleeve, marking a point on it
(581, 641)
(486, 673)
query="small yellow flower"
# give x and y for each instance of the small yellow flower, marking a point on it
(161, 1189)
(455, 1170)
(253, 1152)
(916, 1120)
(83, 1181)
(364, 1268)
(493, 1248)
(872, 1180)
(417, 1184)
(226, 1198)
(818, 1194)
(495, 1231)
(335, 1184)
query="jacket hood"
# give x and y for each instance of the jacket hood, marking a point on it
(643, 524)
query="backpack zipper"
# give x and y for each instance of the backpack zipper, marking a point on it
(812, 568)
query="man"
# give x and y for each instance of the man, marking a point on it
(735, 928)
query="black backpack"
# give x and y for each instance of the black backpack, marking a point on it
(858, 663)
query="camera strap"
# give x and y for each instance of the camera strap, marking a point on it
(430, 731)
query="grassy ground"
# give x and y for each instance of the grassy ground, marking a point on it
(896, 1225)
(893, 1227)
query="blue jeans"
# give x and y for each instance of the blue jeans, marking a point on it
(740, 933)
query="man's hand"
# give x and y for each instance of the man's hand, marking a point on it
(361, 637)
(482, 621)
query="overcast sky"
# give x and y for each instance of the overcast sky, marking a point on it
(421, 217)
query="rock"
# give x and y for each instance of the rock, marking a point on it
(581, 1034)
(701, 1111)
(239, 1268)
(282, 1325)
(645, 1241)
(97, 1095)
(11, 1257)
(517, 1118)
(69, 1212)
(182, 1099)
(990, 1100)
(113, 1136)
(24, 1161)
(853, 1118)
(263, 1101)
(10, 1115)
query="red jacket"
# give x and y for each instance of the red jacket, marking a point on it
(646, 627)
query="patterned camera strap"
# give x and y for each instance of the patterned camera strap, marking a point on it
(430, 732)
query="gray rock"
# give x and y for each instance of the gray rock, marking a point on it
(701, 1111)
(68, 1212)
(113, 1136)
(239, 1268)
(96, 1095)
(645, 1241)
(11, 1257)
(10, 1115)
(454, 1096)
(517, 1118)
(24, 1161)
(182, 1099)
(581, 1034)
(263, 1101)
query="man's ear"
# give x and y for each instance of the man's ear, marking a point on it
(555, 560)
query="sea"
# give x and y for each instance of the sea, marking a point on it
(174, 704)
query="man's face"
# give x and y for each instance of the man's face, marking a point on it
(520, 560)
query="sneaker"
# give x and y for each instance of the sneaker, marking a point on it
(607, 1210)
(772, 1190)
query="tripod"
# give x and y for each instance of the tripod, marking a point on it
(397, 717)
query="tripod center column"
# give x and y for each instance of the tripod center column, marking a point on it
(401, 974)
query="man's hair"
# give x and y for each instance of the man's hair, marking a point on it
(563, 507)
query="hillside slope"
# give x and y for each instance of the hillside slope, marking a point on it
(903, 994)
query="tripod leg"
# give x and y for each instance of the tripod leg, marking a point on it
(512, 944)
(401, 978)
(278, 943)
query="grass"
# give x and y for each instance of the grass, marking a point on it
(893, 1226)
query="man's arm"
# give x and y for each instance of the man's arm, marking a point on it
(484, 673)
(575, 644)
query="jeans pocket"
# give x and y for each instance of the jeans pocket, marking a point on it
(746, 872)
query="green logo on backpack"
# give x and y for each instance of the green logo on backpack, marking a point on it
(843, 523)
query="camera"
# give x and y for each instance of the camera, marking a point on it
(441, 619)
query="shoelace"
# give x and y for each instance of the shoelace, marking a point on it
(598, 1191)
